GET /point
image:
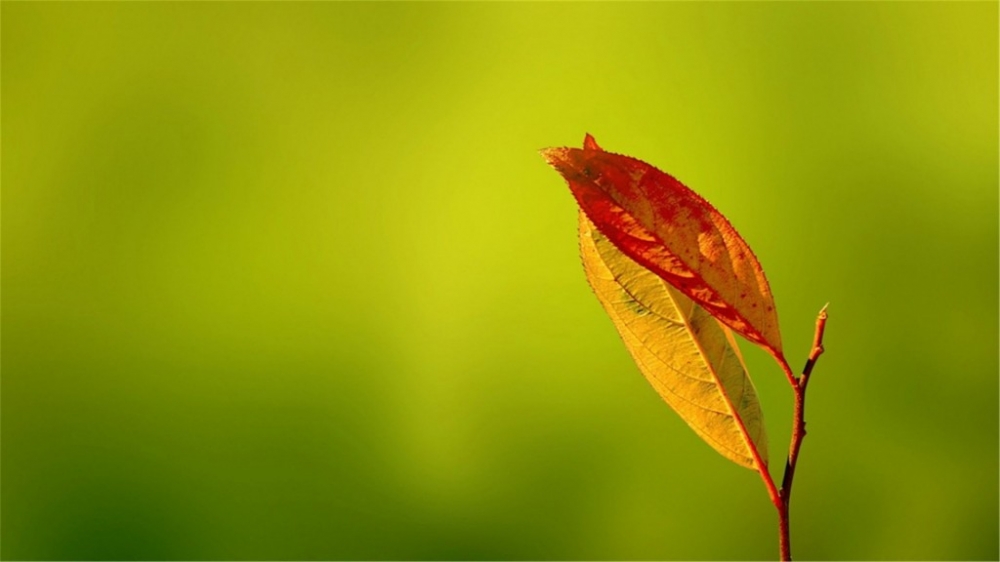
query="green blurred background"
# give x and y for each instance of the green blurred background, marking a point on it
(292, 281)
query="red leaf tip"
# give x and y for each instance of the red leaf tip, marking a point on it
(589, 143)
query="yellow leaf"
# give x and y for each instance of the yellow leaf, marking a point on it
(683, 351)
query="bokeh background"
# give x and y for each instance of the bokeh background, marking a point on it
(291, 280)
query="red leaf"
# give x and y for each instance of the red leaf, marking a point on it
(670, 230)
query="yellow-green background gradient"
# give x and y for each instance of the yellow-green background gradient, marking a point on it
(292, 281)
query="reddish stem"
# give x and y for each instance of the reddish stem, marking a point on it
(799, 385)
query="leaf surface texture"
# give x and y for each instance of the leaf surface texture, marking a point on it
(671, 230)
(680, 348)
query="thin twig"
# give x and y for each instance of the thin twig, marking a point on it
(799, 385)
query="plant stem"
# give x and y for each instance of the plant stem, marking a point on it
(799, 385)
(784, 546)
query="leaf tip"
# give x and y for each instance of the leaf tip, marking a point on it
(553, 155)
(589, 143)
